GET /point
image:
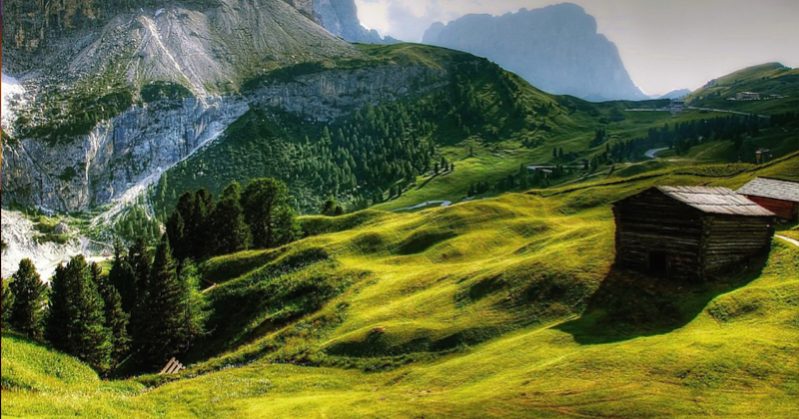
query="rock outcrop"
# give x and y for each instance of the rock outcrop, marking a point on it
(131, 150)
(556, 48)
(87, 132)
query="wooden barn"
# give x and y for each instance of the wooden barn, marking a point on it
(689, 233)
(778, 196)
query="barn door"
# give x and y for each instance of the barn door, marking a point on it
(658, 263)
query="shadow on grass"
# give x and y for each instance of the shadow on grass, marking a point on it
(629, 304)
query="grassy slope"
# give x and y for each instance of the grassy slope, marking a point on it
(766, 79)
(256, 146)
(490, 308)
(496, 161)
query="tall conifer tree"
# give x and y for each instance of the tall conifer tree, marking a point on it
(116, 320)
(27, 310)
(76, 323)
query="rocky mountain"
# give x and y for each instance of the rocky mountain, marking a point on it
(340, 17)
(556, 48)
(116, 94)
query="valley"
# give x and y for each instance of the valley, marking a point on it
(467, 285)
(319, 220)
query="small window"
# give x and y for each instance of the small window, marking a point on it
(658, 263)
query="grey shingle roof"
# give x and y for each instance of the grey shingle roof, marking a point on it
(715, 200)
(772, 188)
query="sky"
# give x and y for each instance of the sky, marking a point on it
(665, 44)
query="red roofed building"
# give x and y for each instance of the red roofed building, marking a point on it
(778, 196)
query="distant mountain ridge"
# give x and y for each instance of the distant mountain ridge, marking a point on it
(676, 94)
(340, 17)
(764, 88)
(555, 48)
(121, 94)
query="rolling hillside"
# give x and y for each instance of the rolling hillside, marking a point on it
(776, 84)
(498, 307)
(382, 122)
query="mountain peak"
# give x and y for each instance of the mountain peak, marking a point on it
(340, 17)
(556, 48)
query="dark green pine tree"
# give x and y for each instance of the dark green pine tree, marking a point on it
(329, 207)
(179, 224)
(229, 231)
(165, 332)
(267, 211)
(6, 303)
(116, 319)
(123, 278)
(199, 235)
(27, 310)
(140, 262)
(76, 323)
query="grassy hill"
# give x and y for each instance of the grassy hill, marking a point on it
(765, 79)
(498, 307)
(374, 146)
(487, 122)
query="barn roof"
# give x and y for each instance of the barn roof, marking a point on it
(772, 188)
(715, 200)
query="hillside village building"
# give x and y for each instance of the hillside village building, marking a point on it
(778, 196)
(689, 233)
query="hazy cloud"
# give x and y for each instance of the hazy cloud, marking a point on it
(665, 45)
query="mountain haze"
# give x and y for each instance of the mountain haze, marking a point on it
(340, 17)
(555, 48)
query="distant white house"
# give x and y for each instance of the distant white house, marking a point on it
(747, 96)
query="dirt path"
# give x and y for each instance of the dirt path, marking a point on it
(789, 240)
(699, 108)
(652, 153)
(425, 204)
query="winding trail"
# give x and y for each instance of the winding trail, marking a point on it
(789, 240)
(699, 108)
(425, 204)
(652, 153)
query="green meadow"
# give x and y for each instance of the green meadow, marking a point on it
(503, 306)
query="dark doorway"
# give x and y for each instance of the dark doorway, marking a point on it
(658, 263)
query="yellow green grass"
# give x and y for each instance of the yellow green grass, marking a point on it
(500, 307)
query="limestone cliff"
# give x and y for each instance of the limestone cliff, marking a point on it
(91, 125)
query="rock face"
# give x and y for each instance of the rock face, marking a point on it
(117, 154)
(131, 150)
(207, 45)
(556, 49)
(306, 7)
(340, 17)
(201, 56)
(327, 95)
(70, 55)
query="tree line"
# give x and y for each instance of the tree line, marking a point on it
(682, 136)
(364, 156)
(148, 307)
(140, 314)
(259, 215)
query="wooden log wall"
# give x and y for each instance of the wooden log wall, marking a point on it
(729, 240)
(654, 222)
